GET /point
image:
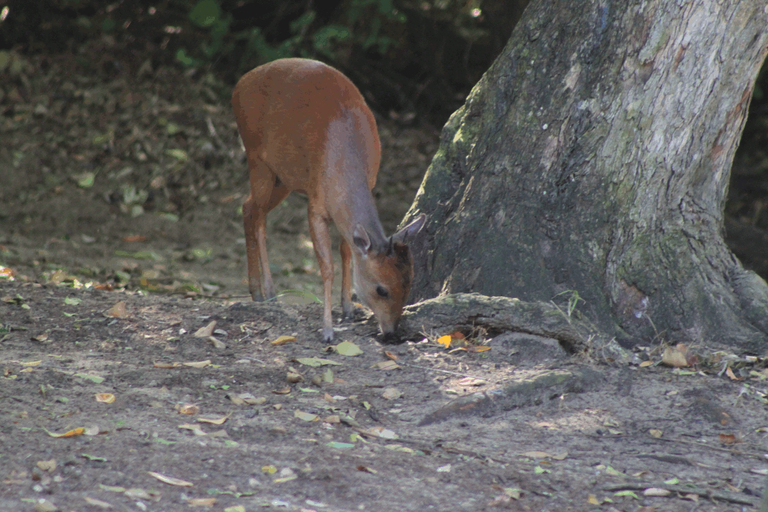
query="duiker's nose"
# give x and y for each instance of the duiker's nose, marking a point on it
(390, 337)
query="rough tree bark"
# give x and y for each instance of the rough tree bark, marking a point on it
(594, 156)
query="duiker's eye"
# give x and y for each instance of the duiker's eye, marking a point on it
(382, 291)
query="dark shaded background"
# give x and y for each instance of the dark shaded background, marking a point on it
(415, 60)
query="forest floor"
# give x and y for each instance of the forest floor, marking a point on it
(120, 239)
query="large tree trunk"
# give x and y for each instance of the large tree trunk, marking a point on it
(594, 157)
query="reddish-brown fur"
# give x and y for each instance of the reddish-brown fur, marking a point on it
(306, 128)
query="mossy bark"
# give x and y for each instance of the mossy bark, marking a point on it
(594, 156)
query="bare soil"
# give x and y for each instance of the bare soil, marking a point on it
(124, 187)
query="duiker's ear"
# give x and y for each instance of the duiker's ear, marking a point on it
(410, 230)
(361, 239)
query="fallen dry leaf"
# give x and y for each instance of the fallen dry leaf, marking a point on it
(315, 361)
(98, 503)
(674, 357)
(43, 505)
(213, 421)
(306, 416)
(201, 502)
(134, 238)
(236, 399)
(106, 398)
(119, 310)
(534, 454)
(347, 348)
(94, 430)
(188, 409)
(217, 343)
(387, 365)
(252, 400)
(382, 432)
(471, 381)
(170, 480)
(47, 465)
(198, 364)
(196, 429)
(206, 331)
(391, 394)
(167, 366)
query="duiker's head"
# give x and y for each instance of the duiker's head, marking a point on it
(383, 275)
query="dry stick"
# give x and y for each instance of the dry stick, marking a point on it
(682, 489)
(716, 448)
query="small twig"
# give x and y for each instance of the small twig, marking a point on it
(439, 370)
(214, 134)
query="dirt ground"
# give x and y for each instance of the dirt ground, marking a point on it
(119, 197)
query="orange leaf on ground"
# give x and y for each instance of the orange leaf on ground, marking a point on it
(72, 433)
(282, 340)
